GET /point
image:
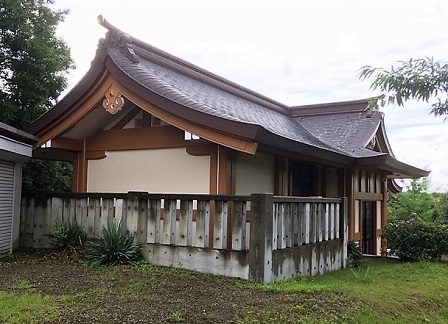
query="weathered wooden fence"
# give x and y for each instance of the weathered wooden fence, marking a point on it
(261, 237)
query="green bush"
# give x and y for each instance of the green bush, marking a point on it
(354, 254)
(115, 246)
(413, 239)
(68, 236)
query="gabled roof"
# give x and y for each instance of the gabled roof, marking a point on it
(337, 132)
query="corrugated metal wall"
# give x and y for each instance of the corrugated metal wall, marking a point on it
(6, 205)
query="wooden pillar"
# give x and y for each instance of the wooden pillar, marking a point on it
(350, 204)
(384, 218)
(261, 233)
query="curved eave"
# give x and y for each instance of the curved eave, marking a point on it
(392, 167)
(221, 125)
(384, 139)
(393, 187)
(75, 97)
(301, 149)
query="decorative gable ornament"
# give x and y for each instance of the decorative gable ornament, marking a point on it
(372, 143)
(115, 38)
(113, 101)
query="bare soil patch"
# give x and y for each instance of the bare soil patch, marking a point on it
(149, 294)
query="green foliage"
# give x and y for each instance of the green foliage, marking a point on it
(40, 175)
(68, 236)
(26, 308)
(115, 246)
(416, 200)
(417, 79)
(34, 65)
(354, 254)
(413, 239)
(177, 317)
(440, 215)
(33, 61)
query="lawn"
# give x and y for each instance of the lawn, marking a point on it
(52, 288)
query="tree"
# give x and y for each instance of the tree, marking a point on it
(34, 64)
(414, 201)
(33, 61)
(416, 79)
(441, 208)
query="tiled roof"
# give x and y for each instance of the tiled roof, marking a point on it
(203, 97)
(334, 132)
(349, 132)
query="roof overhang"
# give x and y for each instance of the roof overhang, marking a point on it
(392, 167)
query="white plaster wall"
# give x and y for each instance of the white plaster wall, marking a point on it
(154, 171)
(254, 174)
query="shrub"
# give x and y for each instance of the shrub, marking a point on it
(68, 236)
(413, 239)
(354, 254)
(115, 246)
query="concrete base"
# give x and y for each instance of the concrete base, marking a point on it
(218, 262)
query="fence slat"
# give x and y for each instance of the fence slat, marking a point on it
(169, 222)
(336, 218)
(107, 211)
(326, 219)
(332, 221)
(186, 222)
(202, 223)
(220, 226)
(287, 225)
(239, 226)
(295, 224)
(275, 215)
(93, 221)
(306, 223)
(154, 221)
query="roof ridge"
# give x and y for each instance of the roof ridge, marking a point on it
(338, 107)
(130, 46)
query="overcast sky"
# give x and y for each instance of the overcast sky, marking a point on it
(296, 52)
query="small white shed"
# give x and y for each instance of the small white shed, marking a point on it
(16, 148)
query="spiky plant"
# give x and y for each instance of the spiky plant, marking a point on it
(115, 246)
(354, 254)
(68, 235)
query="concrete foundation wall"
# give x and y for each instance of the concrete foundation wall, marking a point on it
(218, 262)
(307, 260)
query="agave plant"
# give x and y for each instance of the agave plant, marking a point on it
(68, 236)
(354, 254)
(115, 246)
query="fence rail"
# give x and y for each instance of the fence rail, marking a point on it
(242, 236)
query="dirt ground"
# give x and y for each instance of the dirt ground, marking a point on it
(150, 294)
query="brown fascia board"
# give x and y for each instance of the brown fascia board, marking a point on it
(237, 129)
(17, 134)
(267, 138)
(393, 187)
(152, 53)
(382, 133)
(234, 128)
(388, 163)
(330, 108)
(69, 101)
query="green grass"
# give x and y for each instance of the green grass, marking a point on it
(381, 291)
(26, 308)
(390, 291)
